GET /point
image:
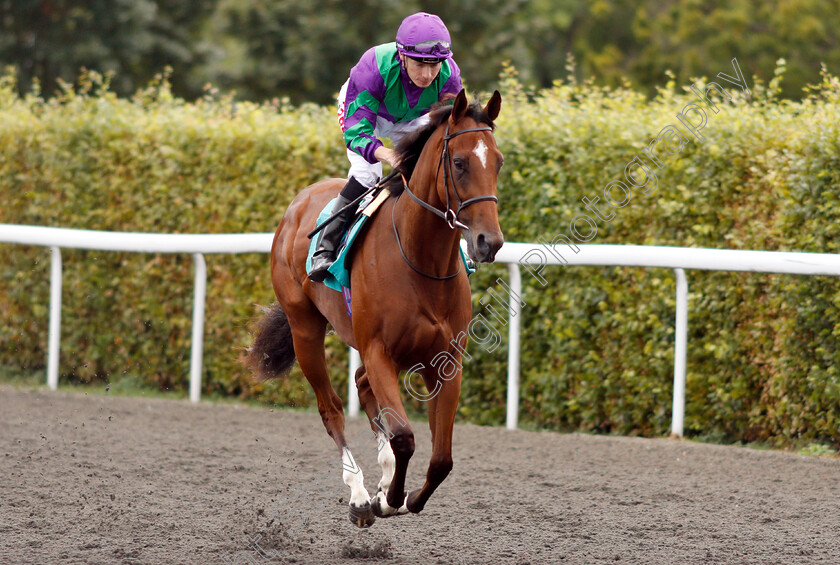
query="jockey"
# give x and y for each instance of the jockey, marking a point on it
(389, 94)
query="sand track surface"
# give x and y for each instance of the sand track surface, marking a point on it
(99, 479)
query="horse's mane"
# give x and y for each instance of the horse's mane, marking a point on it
(410, 146)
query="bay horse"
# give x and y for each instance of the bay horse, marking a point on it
(410, 297)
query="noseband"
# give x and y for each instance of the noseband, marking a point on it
(448, 215)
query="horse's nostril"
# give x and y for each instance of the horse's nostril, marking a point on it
(486, 246)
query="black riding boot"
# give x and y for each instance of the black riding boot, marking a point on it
(330, 236)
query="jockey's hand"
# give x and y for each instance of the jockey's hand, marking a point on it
(389, 156)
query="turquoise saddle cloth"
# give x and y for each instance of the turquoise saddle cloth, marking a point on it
(339, 272)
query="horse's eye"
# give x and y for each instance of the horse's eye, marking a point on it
(459, 163)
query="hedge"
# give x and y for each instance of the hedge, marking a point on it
(598, 342)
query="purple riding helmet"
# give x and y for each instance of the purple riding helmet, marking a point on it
(424, 37)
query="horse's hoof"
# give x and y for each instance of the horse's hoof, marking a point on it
(376, 507)
(362, 516)
(381, 508)
(411, 502)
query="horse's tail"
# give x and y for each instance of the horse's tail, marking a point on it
(272, 354)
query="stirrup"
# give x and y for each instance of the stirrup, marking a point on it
(321, 263)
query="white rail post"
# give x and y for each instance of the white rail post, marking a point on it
(198, 327)
(513, 347)
(53, 346)
(352, 391)
(680, 346)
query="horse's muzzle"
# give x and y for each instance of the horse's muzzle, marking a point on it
(485, 246)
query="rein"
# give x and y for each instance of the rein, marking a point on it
(448, 215)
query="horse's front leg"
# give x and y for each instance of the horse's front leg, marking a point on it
(381, 434)
(383, 378)
(441, 421)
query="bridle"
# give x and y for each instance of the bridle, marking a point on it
(451, 216)
(448, 215)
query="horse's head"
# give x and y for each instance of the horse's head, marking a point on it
(471, 162)
(454, 163)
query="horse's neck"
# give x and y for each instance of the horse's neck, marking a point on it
(427, 241)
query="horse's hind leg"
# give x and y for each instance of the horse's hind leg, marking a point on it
(308, 332)
(441, 421)
(382, 435)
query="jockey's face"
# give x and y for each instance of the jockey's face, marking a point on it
(421, 74)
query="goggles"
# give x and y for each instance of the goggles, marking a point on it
(431, 49)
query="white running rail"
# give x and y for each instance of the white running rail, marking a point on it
(196, 245)
(532, 257)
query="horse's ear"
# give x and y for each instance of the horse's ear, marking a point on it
(493, 106)
(459, 109)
